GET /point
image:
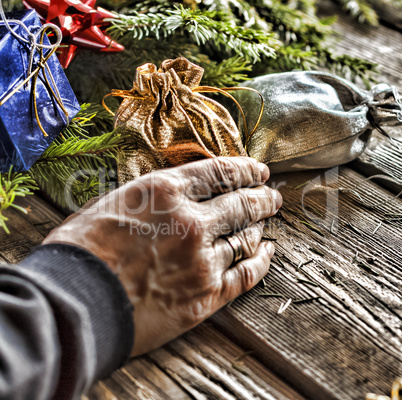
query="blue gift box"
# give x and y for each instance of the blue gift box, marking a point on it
(21, 140)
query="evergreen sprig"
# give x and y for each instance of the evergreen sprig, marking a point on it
(77, 167)
(218, 35)
(361, 10)
(365, 11)
(202, 27)
(13, 185)
(226, 73)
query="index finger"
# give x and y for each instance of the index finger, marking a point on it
(214, 176)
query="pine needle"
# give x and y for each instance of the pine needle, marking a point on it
(306, 281)
(12, 186)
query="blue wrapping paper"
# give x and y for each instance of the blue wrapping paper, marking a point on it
(21, 140)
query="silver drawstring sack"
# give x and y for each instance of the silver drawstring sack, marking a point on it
(314, 119)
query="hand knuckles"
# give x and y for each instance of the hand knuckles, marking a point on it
(249, 203)
(248, 277)
(250, 241)
(271, 204)
(253, 168)
(266, 200)
(227, 174)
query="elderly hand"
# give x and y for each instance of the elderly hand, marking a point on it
(163, 234)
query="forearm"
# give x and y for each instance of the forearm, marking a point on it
(66, 322)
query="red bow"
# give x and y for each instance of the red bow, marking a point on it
(80, 26)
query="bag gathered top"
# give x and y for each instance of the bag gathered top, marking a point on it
(169, 122)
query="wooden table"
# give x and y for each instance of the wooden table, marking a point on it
(340, 346)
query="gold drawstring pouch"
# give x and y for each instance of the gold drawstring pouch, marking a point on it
(170, 122)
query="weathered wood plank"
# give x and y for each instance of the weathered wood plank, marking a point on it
(389, 16)
(380, 44)
(141, 379)
(27, 230)
(348, 342)
(202, 364)
(383, 157)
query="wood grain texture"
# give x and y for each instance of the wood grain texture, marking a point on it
(27, 230)
(383, 156)
(380, 44)
(202, 364)
(349, 341)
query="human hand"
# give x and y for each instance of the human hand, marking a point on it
(162, 235)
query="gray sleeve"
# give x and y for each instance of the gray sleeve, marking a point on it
(65, 322)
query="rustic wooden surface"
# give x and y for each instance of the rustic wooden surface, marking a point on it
(349, 341)
(202, 364)
(340, 346)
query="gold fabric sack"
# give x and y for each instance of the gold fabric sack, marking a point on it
(169, 122)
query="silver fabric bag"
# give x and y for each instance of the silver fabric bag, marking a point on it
(314, 119)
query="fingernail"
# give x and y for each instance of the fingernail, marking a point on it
(277, 197)
(264, 171)
(270, 248)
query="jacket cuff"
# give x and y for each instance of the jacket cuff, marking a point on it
(91, 307)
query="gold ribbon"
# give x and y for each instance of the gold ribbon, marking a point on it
(42, 65)
(199, 89)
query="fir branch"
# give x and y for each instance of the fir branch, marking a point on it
(353, 68)
(79, 124)
(202, 27)
(229, 72)
(13, 185)
(74, 169)
(365, 11)
(68, 148)
(240, 11)
(361, 10)
(293, 24)
(12, 5)
(155, 30)
(149, 6)
(102, 120)
(307, 6)
(292, 57)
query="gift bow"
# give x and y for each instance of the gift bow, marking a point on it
(36, 45)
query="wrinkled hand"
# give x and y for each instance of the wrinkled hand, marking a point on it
(162, 234)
